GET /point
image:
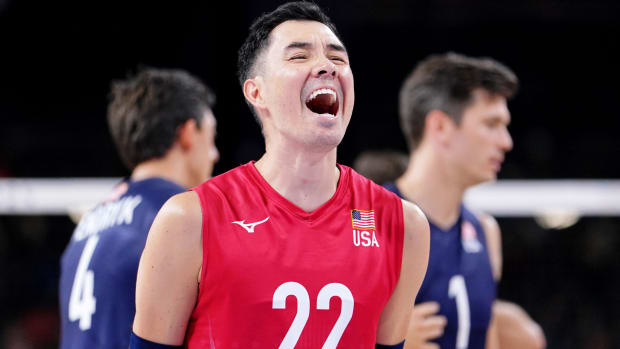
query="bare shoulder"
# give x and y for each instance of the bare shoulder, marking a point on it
(414, 220)
(416, 243)
(181, 214)
(394, 319)
(176, 231)
(184, 205)
(417, 230)
(175, 238)
(489, 223)
(169, 271)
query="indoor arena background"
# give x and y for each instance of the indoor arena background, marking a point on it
(57, 60)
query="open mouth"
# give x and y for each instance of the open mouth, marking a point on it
(323, 101)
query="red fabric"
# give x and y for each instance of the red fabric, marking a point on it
(242, 270)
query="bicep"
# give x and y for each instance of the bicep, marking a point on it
(167, 283)
(394, 319)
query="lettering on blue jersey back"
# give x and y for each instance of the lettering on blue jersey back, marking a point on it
(107, 215)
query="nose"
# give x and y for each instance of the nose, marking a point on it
(506, 140)
(215, 154)
(325, 68)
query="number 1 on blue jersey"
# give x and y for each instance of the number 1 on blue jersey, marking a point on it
(458, 290)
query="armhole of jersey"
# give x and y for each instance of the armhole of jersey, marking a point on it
(483, 232)
(476, 219)
(203, 234)
(400, 240)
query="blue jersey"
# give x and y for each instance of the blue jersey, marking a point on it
(459, 277)
(100, 263)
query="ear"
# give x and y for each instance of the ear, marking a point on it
(439, 126)
(253, 91)
(186, 134)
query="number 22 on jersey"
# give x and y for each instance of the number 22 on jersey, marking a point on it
(82, 302)
(303, 310)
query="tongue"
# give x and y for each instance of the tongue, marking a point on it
(324, 103)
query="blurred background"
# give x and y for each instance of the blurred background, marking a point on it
(57, 60)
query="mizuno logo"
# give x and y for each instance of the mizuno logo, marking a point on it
(250, 226)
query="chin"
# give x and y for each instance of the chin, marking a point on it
(482, 178)
(324, 142)
(333, 138)
(489, 177)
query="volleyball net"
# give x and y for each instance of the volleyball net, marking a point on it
(554, 203)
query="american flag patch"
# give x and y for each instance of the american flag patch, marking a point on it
(363, 220)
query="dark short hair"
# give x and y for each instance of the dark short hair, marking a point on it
(258, 36)
(381, 166)
(145, 111)
(446, 82)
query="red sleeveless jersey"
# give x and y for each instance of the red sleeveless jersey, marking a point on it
(275, 276)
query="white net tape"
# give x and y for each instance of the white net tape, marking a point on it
(518, 198)
(57, 196)
(505, 198)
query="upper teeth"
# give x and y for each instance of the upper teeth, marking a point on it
(322, 91)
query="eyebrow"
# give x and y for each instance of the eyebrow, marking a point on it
(499, 117)
(306, 45)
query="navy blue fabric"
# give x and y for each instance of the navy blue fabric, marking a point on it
(136, 342)
(395, 346)
(391, 186)
(118, 230)
(455, 253)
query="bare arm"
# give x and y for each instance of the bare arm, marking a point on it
(426, 325)
(394, 319)
(516, 330)
(493, 237)
(510, 325)
(169, 271)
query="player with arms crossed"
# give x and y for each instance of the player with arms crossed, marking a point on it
(294, 250)
(163, 127)
(454, 115)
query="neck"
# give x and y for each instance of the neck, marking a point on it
(168, 167)
(433, 186)
(307, 179)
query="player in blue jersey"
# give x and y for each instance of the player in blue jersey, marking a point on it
(454, 115)
(163, 127)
